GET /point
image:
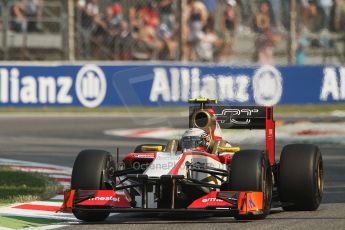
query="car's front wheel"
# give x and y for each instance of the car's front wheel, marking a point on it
(251, 171)
(87, 174)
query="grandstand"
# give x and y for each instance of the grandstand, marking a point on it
(168, 30)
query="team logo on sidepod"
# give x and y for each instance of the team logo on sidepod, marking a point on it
(91, 86)
(267, 86)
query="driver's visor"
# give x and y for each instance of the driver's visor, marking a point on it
(191, 142)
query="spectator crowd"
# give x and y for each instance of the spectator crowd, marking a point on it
(26, 15)
(205, 30)
(141, 32)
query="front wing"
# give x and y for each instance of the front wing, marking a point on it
(231, 202)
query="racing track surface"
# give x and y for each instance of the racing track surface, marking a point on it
(57, 139)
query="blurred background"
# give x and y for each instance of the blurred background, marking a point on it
(223, 31)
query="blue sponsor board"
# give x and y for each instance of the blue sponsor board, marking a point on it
(92, 85)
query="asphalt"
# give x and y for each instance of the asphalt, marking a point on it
(58, 139)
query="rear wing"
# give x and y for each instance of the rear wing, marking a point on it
(236, 117)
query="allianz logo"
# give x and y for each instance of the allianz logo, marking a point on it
(333, 84)
(179, 84)
(90, 87)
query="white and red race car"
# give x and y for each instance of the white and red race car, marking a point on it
(221, 179)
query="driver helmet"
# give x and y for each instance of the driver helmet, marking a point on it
(195, 138)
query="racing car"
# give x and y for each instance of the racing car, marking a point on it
(201, 172)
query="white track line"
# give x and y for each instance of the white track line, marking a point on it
(48, 227)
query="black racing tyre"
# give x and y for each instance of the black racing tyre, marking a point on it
(87, 174)
(301, 177)
(251, 171)
(138, 148)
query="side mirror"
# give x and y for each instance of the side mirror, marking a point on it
(228, 149)
(152, 148)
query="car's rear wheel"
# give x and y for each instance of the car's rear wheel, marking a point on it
(251, 171)
(87, 174)
(301, 177)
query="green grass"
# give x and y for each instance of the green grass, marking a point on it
(278, 109)
(16, 222)
(19, 186)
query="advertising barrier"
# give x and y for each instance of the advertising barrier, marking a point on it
(92, 85)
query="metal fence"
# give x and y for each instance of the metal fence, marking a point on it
(229, 31)
(33, 32)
